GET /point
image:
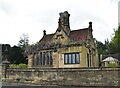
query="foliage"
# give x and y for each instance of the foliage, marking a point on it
(115, 42)
(18, 66)
(102, 48)
(13, 54)
(112, 65)
(24, 41)
(22, 66)
(17, 55)
(111, 47)
(13, 66)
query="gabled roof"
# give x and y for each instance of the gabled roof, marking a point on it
(75, 36)
(78, 35)
(46, 39)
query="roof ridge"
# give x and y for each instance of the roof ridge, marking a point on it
(79, 29)
(50, 34)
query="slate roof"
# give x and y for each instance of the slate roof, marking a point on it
(78, 35)
(75, 35)
(46, 38)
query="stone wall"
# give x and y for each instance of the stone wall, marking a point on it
(0, 72)
(68, 76)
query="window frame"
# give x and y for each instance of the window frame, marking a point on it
(72, 58)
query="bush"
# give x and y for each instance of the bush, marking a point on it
(22, 66)
(13, 66)
(18, 66)
(113, 65)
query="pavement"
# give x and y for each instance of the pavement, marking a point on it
(18, 85)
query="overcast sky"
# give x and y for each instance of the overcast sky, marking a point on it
(33, 16)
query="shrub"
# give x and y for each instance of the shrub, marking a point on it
(113, 65)
(13, 66)
(22, 66)
(18, 66)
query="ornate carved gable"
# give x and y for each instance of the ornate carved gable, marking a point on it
(60, 37)
(62, 33)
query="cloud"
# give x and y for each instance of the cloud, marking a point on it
(34, 16)
(7, 8)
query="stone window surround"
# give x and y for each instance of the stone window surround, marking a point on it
(72, 58)
(40, 59)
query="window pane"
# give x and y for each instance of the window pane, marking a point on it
(65, 59)
(70, 59)
(44, 58)
(73, 58)
(77, 58)
(40, 57)
(48, 56)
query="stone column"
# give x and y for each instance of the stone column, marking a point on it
(30, 61)
(55, 59)
(5, 66)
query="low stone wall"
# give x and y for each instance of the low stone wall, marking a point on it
(0, 73)
(71, 76)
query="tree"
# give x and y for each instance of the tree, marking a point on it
(102, 48)
(24, 41)
(114, 45)
(17, 55)
(13, 54)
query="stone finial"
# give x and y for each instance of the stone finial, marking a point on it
(44, 32)
(90, 24)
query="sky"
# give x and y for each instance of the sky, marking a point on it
(18, 17)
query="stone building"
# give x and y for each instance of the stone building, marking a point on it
(65, 48)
